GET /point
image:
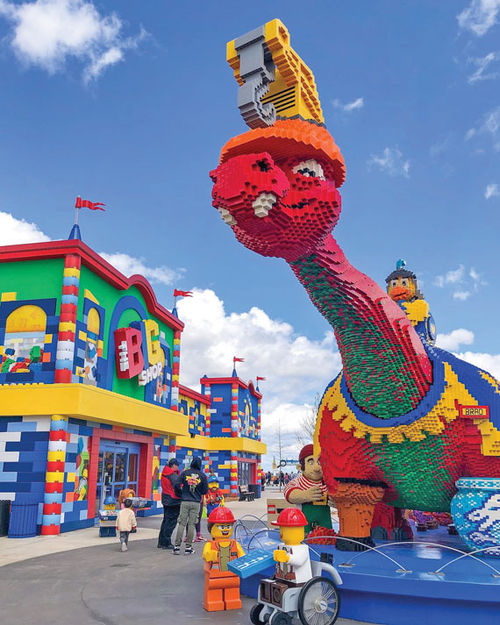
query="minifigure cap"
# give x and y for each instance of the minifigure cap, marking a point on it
(109, 500)
(306, 451)
(290, 517)
(221, 515)
(212, 479)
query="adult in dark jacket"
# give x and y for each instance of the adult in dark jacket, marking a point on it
(171, 502)
(191, 488)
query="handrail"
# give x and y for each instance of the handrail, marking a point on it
(357, 542)
(464, 554)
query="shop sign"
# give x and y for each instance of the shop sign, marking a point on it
(474, 412)
(136, 356)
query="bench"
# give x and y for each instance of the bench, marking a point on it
(245, 494)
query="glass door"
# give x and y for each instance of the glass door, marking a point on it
(118, 469)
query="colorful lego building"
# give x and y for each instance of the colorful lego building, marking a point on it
(90, 400)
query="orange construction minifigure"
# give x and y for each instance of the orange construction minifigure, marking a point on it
(222, 588)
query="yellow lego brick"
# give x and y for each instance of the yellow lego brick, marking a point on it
(48, 338)
(54, 476)
(71, 272)
(82, 335)
(67, 326)
(8, 296)
(71, 477)
(56, 456)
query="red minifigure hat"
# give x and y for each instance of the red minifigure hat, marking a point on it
(290, 517)
(306, 451)
(222, 515)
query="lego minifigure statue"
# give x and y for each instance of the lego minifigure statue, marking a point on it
(222, 588)
(292, 559)
(310, 490)
(214, 498)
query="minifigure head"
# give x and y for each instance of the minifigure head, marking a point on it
(213, 482)
(309, 464)
(220, 523)
(402, 284)
(291, 522)
(110, 503)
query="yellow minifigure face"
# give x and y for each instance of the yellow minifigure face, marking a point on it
(222, 530)
(214, 485)
(291, 535)
(312, 469)
(401, 289)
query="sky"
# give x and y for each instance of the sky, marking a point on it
(129, 103)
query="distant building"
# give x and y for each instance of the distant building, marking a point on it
(90, 400)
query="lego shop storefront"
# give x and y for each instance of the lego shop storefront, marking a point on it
(90, 400)
(89, 383)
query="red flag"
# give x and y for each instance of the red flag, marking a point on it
(238, 359)
(259, 378)
(94, 206)
(178, 293)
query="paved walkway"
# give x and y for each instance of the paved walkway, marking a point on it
(82, 579)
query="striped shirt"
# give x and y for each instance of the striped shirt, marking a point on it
(302, 483)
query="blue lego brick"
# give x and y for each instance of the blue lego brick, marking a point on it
(24, 426)
(85, 431)
(18, 466)
(77, 421)
(53, 498)
(32, 476)
(252, 563)
(4, 422)
(14, 487)
(105, 426)
(66, 507)
(51, 519)
(42, 445)
(8, 477)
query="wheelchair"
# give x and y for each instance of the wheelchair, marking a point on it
(316, 602)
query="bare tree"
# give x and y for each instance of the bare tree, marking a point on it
(308, 423)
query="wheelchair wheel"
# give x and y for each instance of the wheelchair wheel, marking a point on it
(318, 602)
(280, 618)
(255, 614)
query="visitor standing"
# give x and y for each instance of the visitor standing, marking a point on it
(191, 488)
(125, 523)
(171, 503)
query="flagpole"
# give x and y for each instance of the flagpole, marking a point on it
(76, 216)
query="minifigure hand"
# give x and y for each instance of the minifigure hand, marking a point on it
(314, 493)
(280, 555)
(211, 556)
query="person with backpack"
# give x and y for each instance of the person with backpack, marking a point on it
(190, 488)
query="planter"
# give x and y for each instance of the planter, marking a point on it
(476, 513)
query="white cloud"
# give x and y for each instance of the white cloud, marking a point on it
(455, 339)
(482, 64)
(488, 362)
(129, 265)
(463, 283)
(479, 16)
(491, 191)
(295, 367)
(49, 33)
(462, 295)
(14, 231)
(349, 106)
(488, 126)
(470, 133)
(391, 161)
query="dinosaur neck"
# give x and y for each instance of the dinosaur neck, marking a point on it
(385, 365)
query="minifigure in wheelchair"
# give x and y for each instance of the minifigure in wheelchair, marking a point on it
(298, 587)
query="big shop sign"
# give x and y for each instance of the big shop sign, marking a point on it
(141, 352)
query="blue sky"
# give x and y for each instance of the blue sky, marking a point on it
(129, 103)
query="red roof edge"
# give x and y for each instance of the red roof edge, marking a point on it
(97, 264)
(192, 394)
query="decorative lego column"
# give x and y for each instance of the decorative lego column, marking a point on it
(172, 442)
(67, 320)
(233, 475)
(258, 420)
(54, 476)
(234, 409)
(208, 417)
(175, 370)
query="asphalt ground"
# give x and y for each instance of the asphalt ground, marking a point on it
(101, 585)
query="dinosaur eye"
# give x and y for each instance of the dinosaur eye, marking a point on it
(310, 168)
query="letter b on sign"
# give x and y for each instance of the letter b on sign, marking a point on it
(128, 352)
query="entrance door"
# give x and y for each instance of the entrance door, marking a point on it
(118, 469)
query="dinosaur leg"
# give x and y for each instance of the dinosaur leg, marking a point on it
(356, 501)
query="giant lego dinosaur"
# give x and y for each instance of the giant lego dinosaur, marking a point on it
(404, 419)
